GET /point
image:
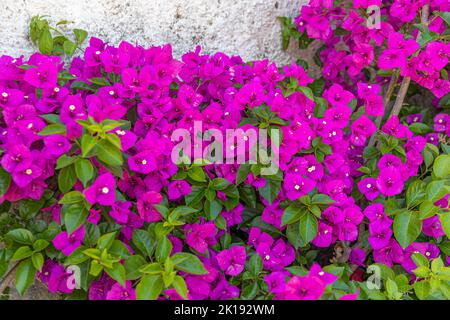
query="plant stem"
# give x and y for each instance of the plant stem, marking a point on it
(407, 80)
(386, 99)
(8, 278)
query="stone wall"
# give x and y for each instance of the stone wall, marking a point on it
(245, 27)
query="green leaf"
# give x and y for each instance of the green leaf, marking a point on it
(317, 86)
(255, 264)
(132, 265)
(445, 222)
(307, 227)
(72, 197)
(46, 42)
(109, 153)
(419, 259)
(64, 161)
(100, 82)
(69, 47)
(118, 273)
(219, 183)
(428, 209)
(40, 245)
(419, 128)
(291, 215)
(243, 172)
(415, 193)
(25, 274)
(250, 291)
(119, 249)
(293, 235)
(180, 286)
(307, 92)
(163, 249)
(441, 167)
(84, 170)
(149, 288)
(88, 142)
(114, 140)
(436, 190)
(212, 208)
(106, 240)
(444, 15)
(422, 289)
(248, 195)
(5, 181)
(80, 35)
(197, 194)
(67, 179)
(188, 263)
(51, 129)
(22, 253)
(197, 174)
(22, 236)
(143, 241)
(270, 190)
(29, 208)
(74, 216)
(151, 268)
(38, 261)
(321, 199)
(77, 256)
(407, 227)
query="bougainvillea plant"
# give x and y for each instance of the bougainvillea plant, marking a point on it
(94, 207)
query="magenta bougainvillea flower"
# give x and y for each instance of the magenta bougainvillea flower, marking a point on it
(232, 260)
(145, 206)
(201, 235)
(102, 191)
(68, 243)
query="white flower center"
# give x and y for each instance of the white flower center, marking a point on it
(71, 107)
(56, 89)
(144, 162)
(296, 187)
(369, 185)
(311, 169)
(111, 92)
(28, 171)
(97, 52)
(120, 132)
(5, 95)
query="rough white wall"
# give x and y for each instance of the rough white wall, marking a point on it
(246, 27)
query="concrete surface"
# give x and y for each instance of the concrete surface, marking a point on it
(246, 27)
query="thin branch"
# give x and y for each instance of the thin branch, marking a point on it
(8, 278)
(386, 99)
(407, 80)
